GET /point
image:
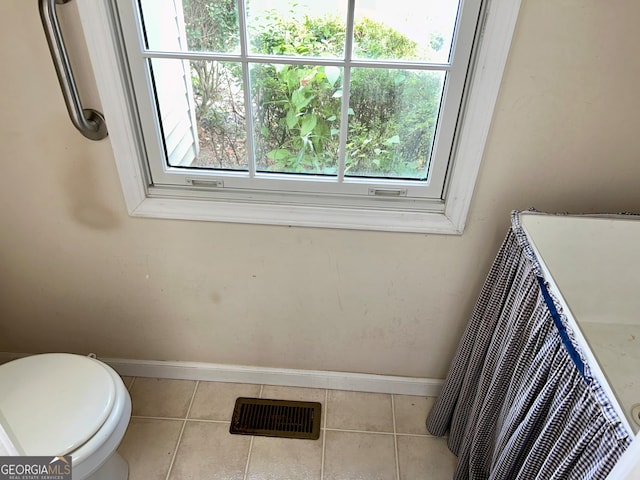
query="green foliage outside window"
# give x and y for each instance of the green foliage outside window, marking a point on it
(296, 108)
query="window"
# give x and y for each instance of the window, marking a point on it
(365, 114)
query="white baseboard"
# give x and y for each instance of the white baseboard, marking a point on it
(212, 372)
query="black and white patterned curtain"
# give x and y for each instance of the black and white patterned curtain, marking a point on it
(519, 402)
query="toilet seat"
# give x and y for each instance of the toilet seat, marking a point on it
(72, 404)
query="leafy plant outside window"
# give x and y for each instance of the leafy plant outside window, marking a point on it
(296, 108)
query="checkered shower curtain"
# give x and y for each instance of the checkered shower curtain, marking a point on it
(515, 403)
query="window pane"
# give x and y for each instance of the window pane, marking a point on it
(202, 113)
(287, 27)
(202, 25)
(296, 117)
(404, 29)
(392, 122)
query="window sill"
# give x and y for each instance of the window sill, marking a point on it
(297, 215)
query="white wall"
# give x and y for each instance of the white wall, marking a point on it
(77, 274)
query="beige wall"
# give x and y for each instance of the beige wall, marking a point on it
(77, 274)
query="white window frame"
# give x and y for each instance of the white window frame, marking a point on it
(338, 189)
(447, 216)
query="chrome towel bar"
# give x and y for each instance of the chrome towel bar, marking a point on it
(88, 121)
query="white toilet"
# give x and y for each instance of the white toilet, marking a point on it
(58, 404)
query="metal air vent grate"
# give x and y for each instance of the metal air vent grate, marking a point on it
(276, 418)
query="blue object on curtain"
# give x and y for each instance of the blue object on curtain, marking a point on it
(562, 331)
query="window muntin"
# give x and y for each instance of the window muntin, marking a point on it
(298, 164)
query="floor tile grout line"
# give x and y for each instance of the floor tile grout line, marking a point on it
(422, 435)
(395, 436)
(207, 420)
(133, 380)
(184, 424)
(346, 430)
(193, 397)
(332, 429)
(246, 466)
(149, 417)
(324, 432)
(376, 432)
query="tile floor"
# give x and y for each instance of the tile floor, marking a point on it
(179, 430)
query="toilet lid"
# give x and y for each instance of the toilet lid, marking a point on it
(53, 403)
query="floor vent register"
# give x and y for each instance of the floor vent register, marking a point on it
(276, 418)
